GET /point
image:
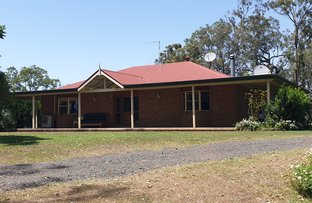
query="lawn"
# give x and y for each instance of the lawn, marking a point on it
(42, 147)
(261, 178)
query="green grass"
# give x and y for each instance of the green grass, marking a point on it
(40, 146)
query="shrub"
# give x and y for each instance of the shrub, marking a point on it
(291, 104)
(286, 125)
(302, 178)
(6, 120)
(247, 125)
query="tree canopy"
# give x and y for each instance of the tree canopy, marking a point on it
(300, 15)
(27, 79)
(2, 31)
(31, 78)
(255, 38)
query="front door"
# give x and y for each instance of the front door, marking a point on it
(118, 111)
(123, 106)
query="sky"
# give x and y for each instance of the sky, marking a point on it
(70, 38)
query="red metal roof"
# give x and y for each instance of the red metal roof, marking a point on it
(124, 78)
(163, 73)
(71, 86)
(171, 72)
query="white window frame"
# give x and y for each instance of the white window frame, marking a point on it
(67, 99)
(199, 100)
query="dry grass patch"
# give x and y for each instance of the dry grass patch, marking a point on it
(261, 178)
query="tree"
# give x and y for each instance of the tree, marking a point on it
(6, 120)
(31, 78)
(246, 32)
(27, 79)
(2, 31)
(299, 13)
(214, 38)
(4, 90)
(256, 39)
(172, 53)
(307, 71)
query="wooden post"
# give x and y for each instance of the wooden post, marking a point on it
(33, 112)
(79, 110)
(132, 109)
(268, 91)
(193, 107)
(36, 117)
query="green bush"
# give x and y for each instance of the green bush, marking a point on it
(248, 125)
(6, 120)
(290, 104)
(302, 178)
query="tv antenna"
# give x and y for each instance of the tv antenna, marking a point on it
(156, 42)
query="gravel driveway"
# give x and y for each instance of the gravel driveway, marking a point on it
(31, 175)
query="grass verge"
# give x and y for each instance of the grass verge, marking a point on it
(43, 147)
(261, 178)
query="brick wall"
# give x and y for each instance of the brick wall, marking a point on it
(160, 107)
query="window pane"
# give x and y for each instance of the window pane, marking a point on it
(127, 104)
(189, 105)
(196, 96)
(63, 106)
(196, 105)
(63, 102)
(63, 110)
(204, 100)
(189, 96)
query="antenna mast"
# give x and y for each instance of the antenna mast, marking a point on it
(100, 67)
(154, 42)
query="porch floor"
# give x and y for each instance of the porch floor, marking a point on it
(125, 129)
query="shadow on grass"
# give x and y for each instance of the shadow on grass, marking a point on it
(20, 140)
(93, 192)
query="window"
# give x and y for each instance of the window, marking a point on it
(201, 101)
(67, 106)
(63, 106)
(188, 99)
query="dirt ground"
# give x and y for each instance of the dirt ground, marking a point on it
(261, 178)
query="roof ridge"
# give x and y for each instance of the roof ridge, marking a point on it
(118, 72)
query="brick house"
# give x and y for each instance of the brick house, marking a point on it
(181, 94)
